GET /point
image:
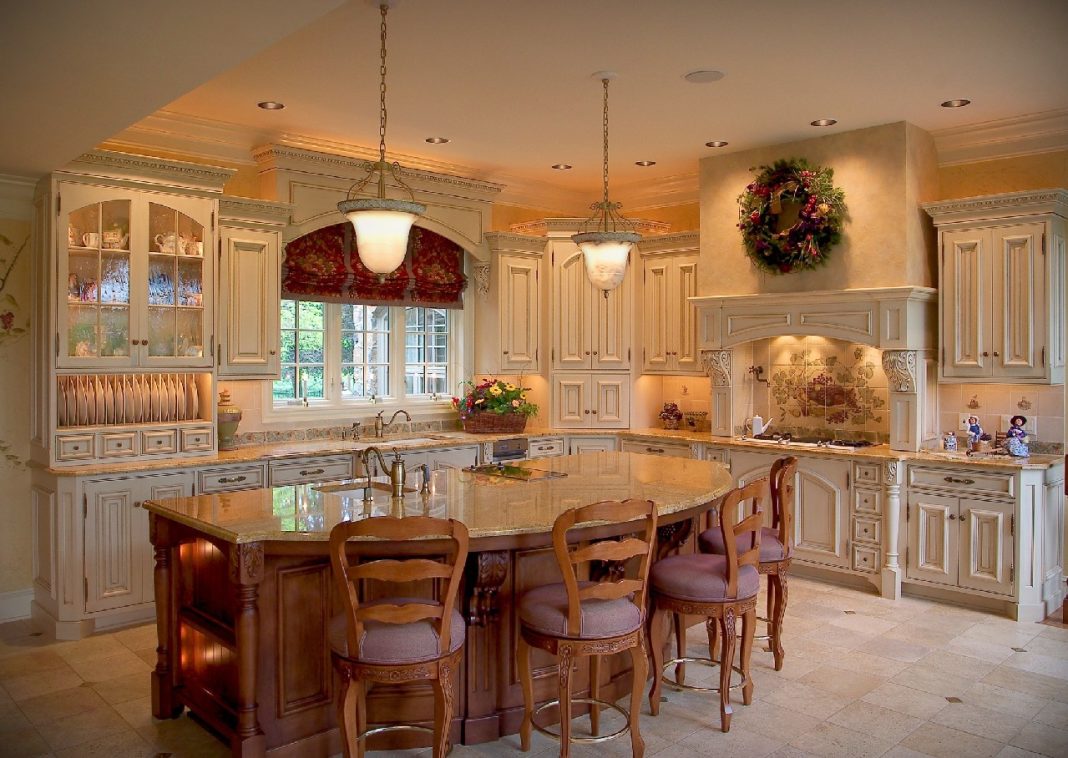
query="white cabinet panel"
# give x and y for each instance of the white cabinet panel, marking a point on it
(986, 545)
(519, 304)
(933, 538)
(669, 320)
(588, 400)
(249, 304)
(590, 330)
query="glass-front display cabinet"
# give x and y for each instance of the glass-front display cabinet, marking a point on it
(136, 279)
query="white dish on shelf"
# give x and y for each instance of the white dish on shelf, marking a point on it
(98, 401)
(194, 400)
(153, 399)
(181, 392)
(83, 405)
(61, 402)
(146, 399)
(72, 402)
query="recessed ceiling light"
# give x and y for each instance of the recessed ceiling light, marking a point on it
(271, 105)
(824, 122)
(437, 140)
(956, 103)
(703, 76)
(562, 166)
(644, 163)
(716, 143)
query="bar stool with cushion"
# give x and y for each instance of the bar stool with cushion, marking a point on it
(718, 587)
(776, 549)
(583, 617)
(397, 639)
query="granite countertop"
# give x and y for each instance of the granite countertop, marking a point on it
(490, 506)
(431, 440)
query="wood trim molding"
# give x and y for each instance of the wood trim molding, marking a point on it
(990, 207)
(109, 163)
(1032, 134)
(565, 227)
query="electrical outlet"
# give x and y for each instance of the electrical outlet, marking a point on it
(962, 424)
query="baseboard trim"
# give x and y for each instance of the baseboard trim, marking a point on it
(15, 605)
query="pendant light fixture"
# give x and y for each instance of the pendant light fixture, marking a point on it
(607, 237)
(381, 224)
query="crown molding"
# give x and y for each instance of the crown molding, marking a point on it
(565, 227)
(16, 197)
(200, 138)
(233, 208)
(676, 242)
(510, 242)
(141, 168)
(1032, 134)
(998, 206)
(680, 189)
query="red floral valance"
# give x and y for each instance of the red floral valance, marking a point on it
(324, 266)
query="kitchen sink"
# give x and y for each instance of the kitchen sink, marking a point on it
(355, 489)
(406, 441)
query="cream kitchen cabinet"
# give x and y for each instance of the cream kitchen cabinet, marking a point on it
(669, 320)
(672, 449)
(590, 330)
(546, 447)
(249, 254)
(585, 400)
(519, 311)
(1002, 287)
(134, 286)
(307, 470)
(579, 444)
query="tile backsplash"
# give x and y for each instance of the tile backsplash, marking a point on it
(1043, 407)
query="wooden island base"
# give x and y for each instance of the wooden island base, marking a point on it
(243, 630)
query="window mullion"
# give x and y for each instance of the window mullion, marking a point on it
(396, 352)
(332, 354)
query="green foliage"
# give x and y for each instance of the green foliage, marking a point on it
(494, 396)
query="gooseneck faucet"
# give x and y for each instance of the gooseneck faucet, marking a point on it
(396, 471)
(381, 424)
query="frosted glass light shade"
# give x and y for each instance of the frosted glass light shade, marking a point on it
(382, 228)
(605, 255)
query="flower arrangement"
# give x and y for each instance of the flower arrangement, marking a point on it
(774, 243)
(671, 416)
(494, 396)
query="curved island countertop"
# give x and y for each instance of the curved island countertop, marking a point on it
(493, 508)
(244, 594)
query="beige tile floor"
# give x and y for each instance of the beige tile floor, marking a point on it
(863, 677)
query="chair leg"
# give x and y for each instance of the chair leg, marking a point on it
(680, 647)
(780, 614)
(362, 688)
(656, 642)
(726, 660)
(748, 632)
(639, 662)
(527, 682)
(770, 615)
(563, 672)
(712, 630)
(346, 716)
(595, 694)
(442, 685)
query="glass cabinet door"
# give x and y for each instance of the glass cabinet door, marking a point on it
(96, 291)
(175, 319)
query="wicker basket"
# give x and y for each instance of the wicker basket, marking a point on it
(494, 423)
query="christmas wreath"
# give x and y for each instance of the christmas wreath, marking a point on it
(790, 216)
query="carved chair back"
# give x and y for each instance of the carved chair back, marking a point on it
(783, 473)
(426, 558)
(734, 527)
(639, 544)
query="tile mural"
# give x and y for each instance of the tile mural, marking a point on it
(829, 386)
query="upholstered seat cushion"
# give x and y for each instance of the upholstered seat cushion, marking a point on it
(701, 578)
(395, 643)
(711, 541)
(544, 609)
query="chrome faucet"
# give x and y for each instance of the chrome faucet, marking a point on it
(396, 471)
(381, 424)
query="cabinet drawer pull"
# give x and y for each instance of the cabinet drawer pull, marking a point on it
(595, 352)
(505, 352)
(587, 411)
(546, 447)
(272, 352)
(996, 354)
(955, 480)
(654, 449)
(311, 472)
(232, 479)
(587, 352)
(952, 517)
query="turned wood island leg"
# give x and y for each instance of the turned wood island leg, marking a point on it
(246, 572)
(164, 703)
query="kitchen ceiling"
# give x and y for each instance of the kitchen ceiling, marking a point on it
(509, 83)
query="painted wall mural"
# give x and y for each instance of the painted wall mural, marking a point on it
(14, 325)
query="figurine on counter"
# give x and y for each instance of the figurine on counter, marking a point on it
(1016, 437)
(975, 432)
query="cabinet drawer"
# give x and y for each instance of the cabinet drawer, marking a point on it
(196, 439)
(963, 481)
(867, 501)
(159, 441)
(719, 454)
(546, 447)
(868, 530)
(116, 444)
(311, 470)
(74, 447)
(236, 478)
(866, 473)
(865, 558)
(656, 448)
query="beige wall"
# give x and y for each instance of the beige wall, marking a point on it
(1025, 172)
(506, 215)
(15, 355)
(685, 217)
(884, 171)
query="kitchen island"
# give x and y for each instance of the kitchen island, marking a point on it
(244, 595)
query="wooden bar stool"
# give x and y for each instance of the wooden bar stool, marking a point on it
(776, 550)
(590, 618)
(719, 587)
(397, 639)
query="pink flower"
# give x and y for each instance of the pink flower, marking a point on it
(7, 320)
(515, 403)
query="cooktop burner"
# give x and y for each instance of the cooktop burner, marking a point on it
(810, 441)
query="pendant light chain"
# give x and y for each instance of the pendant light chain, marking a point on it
(605, 82)
(382, 90)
